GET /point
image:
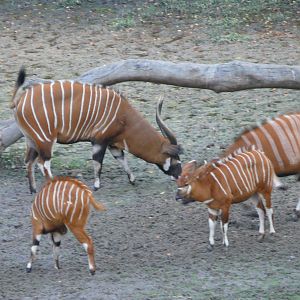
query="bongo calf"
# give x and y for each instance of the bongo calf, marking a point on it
(63, 203)
(230, 180)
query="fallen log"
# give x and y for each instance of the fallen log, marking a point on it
(226, 77)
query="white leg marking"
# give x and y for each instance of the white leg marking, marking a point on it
(97, 167)
(269, 212)
(47, 166)
(298, 205)
(225, 229)
(212, 228)
(41, 167)
(261, 216)
(276, 182)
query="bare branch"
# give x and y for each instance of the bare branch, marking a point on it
(227, 77)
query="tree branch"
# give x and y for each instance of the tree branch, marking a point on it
(227, 77)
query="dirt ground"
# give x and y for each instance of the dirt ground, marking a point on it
(148, 246)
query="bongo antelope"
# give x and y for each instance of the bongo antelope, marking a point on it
(63, 203)
(231, 180)
(279, 138)
(66, 111)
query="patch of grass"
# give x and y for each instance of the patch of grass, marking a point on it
(61, 164)
(225, 20)
(124, 22)
(68, 3)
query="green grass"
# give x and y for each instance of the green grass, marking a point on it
(223, 20)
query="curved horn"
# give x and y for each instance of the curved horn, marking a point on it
(163, 127)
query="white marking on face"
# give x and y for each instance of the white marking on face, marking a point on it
(167, 164)
(185, 190)
(208, 201)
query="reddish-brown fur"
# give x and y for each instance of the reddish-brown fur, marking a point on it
(69, 112)
(215, 185)
(63, 203)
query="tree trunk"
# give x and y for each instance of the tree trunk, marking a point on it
(9, 133)
(227, 77)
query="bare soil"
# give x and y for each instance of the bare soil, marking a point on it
(148, 246)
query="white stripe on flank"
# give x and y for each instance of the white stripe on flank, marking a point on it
(53, 104)
(291, 137)
(98, 109)
(38, 204)
(215, 166)
(43, 201)
(88, 126)
(32, 212)
(45, 108)
(285, 142)
(35, 117)
(47, 201)
(247, 186)
(63, 198)
(54, 196)
(114, 117)
(262, 164)
(256, 138)
(109, 112)
(249, 169)
(273, 145)
(296, 128)
(294, 134)
(216, 179)
(80, 114)
(105, 109)
(82, 204)
(57, 196)
(23, 106)
(254, 165)
(62, 105)
(232, 176)
(87, 115)
(246, 140)
(75, 205)
(238, 172)
(69, 200)
(71, 107)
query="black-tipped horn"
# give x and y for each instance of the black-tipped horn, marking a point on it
(163, 127)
